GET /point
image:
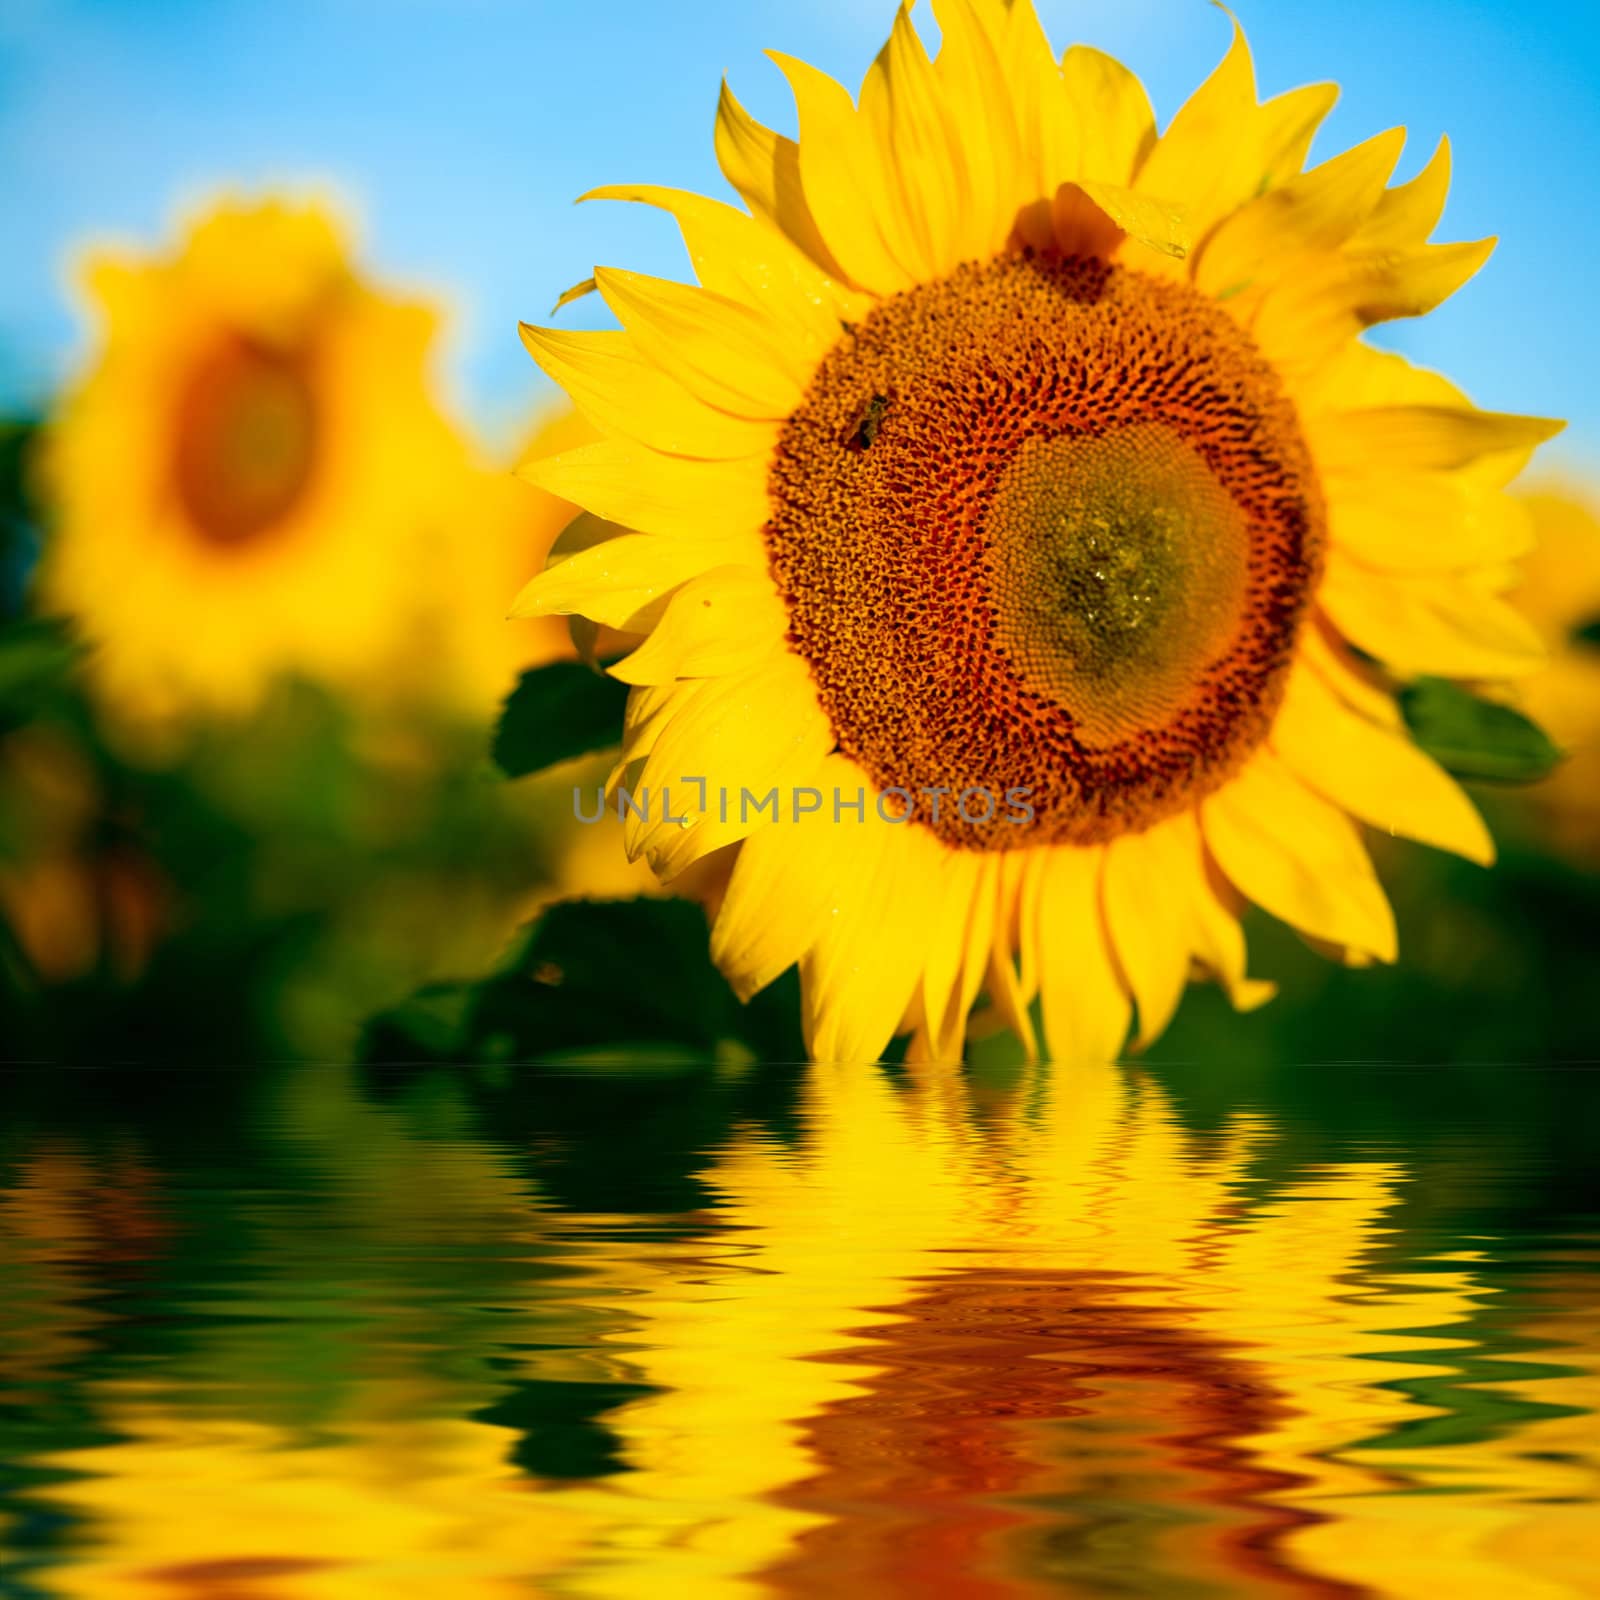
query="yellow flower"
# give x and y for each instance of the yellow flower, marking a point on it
(1560, 591)
(243, 475)
(499, 532)
(1014, 460)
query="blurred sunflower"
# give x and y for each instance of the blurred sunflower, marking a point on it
(498, 534)
(1559, 589)
(1007, 448)
(500, 531)
(242, 476)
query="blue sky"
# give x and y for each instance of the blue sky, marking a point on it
(461, 131)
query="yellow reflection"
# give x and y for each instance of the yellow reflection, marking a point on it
(1043, 1341)
(940, 1334)
(198, 1507)
(310, 1434)
(1513, 1515)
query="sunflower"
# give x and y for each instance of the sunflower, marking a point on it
(1559, 589)
(498, 534)
(1022, 473)
(242, 476)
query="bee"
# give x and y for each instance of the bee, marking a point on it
(865, 433)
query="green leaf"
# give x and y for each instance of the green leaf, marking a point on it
(557, 712)
(19, 437)
(20, 513)
(1587, 632)
(599, 982)
(1475, 738)
(36, 656)
(429, 1026)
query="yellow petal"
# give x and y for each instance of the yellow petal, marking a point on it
(1408, 213)
(611, 582)
(961, 939)
(941, 973)
(1421, 438)
(858, 978)
(1218, 935)
(754, 263)
(1361, 378)
(1146, 899)
(1096, 218)
(722, 352)
(779, 897)
(1358, 684)
(1316, 211)
(926, 173)
(1299, 857)
(979, 102)
(649, 710)
(1375, 773)
(977, 953)
(764, 168)
(722, 621)
(1381, 286)
(1030, 888)
(752, 731)
(649, 492)
(1443, 623)
(1312, 313)
(1288, 124)
(1082, 993)
(746, 723)
(1424, 521)
(576, 292)
(1044, 115)
(1209, 155)
(1004, 981)
(843, 179)
(621, 392)
(1116, 127)
(919, 1048)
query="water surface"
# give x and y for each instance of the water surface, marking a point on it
(761, 1331)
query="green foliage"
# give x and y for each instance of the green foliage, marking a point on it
(1476, 738)
(557, 712)
(37, 656)
(302, 875)
(19, 512)
(628, 981)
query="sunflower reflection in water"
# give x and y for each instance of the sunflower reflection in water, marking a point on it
(1040, 1338)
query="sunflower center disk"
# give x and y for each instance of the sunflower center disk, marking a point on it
(1046, 525)
(246, 441)
(1119, 573)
